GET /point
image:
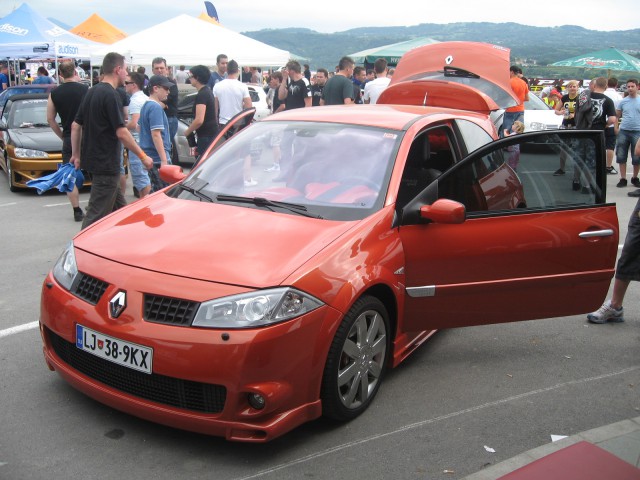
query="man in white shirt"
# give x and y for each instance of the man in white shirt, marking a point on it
(231, 96)
(181, 75)
(374, 88)
(609, 132)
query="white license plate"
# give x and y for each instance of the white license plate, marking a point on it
(114, 350)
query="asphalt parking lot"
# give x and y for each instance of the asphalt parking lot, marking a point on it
(468, 398)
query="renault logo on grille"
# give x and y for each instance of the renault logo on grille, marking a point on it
(117, 304)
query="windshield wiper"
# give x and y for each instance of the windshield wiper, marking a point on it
(40, 124)
(264, 202)
(196, 193)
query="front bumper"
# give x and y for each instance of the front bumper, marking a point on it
(201, 378)
(25, 169)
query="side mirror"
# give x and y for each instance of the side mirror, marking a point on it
(444, 211)
(171, 174)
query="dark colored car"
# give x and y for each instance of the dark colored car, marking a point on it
(30, 149)
(23, 90)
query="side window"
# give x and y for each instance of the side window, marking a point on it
(429, 156)
(473, 135)
(518, 174)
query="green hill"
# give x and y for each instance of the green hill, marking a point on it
(533, 47)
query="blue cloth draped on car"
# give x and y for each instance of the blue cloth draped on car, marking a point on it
(64, 179)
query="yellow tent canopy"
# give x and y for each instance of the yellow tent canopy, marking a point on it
(207, 18)
(98, 29)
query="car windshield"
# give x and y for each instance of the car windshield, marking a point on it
(325, 170)
(28, 113)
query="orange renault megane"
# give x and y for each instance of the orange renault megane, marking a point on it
(246, 299)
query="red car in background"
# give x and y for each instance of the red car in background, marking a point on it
(248, 301)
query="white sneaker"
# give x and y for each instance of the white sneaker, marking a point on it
(606, 313)
(250, 183)
(273, 168)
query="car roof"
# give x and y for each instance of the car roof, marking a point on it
(28, 96)
(395, 117)
(43, 86)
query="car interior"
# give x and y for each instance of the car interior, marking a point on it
(429, 156)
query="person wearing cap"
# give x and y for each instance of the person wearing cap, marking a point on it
(159, 67)
(98, 128)
(554, 99)
(155, 134)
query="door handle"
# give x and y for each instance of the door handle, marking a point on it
(596, 233)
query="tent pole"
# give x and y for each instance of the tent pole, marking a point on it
(55, 52)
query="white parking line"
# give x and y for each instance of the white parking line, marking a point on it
(62, 204)
(20, 328)
(429, 421)
(8, 204)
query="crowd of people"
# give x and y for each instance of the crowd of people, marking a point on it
(128, 109)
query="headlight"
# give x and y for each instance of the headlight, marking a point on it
(29, 153)
(537, 126)
(255, 309)
(66, 269)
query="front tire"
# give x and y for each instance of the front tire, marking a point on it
(356, 361)
(12, 186)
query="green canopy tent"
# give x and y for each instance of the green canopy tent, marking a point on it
(391, 53)
(609, 59)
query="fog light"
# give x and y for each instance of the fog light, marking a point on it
(256, 401)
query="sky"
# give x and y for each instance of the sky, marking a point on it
(328, 16)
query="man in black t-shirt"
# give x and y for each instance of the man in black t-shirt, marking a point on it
(275, 80)
(205, 123)
(98, 128)
(295, 93)
(603, 114)
(294, 89)
(65, 101)
(604, 110)
(316, 89)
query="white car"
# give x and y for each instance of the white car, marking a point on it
(537, 116)
(181, 154)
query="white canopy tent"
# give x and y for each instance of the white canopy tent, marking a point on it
(189, 40)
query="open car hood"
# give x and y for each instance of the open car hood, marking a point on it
(462, 75)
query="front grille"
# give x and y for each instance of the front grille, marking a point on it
(172, 311)
(89, 288)
(195, 396)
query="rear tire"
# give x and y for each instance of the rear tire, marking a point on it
(356, 361)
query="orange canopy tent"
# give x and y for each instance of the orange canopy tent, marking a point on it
(98, 29)
(204, 16)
